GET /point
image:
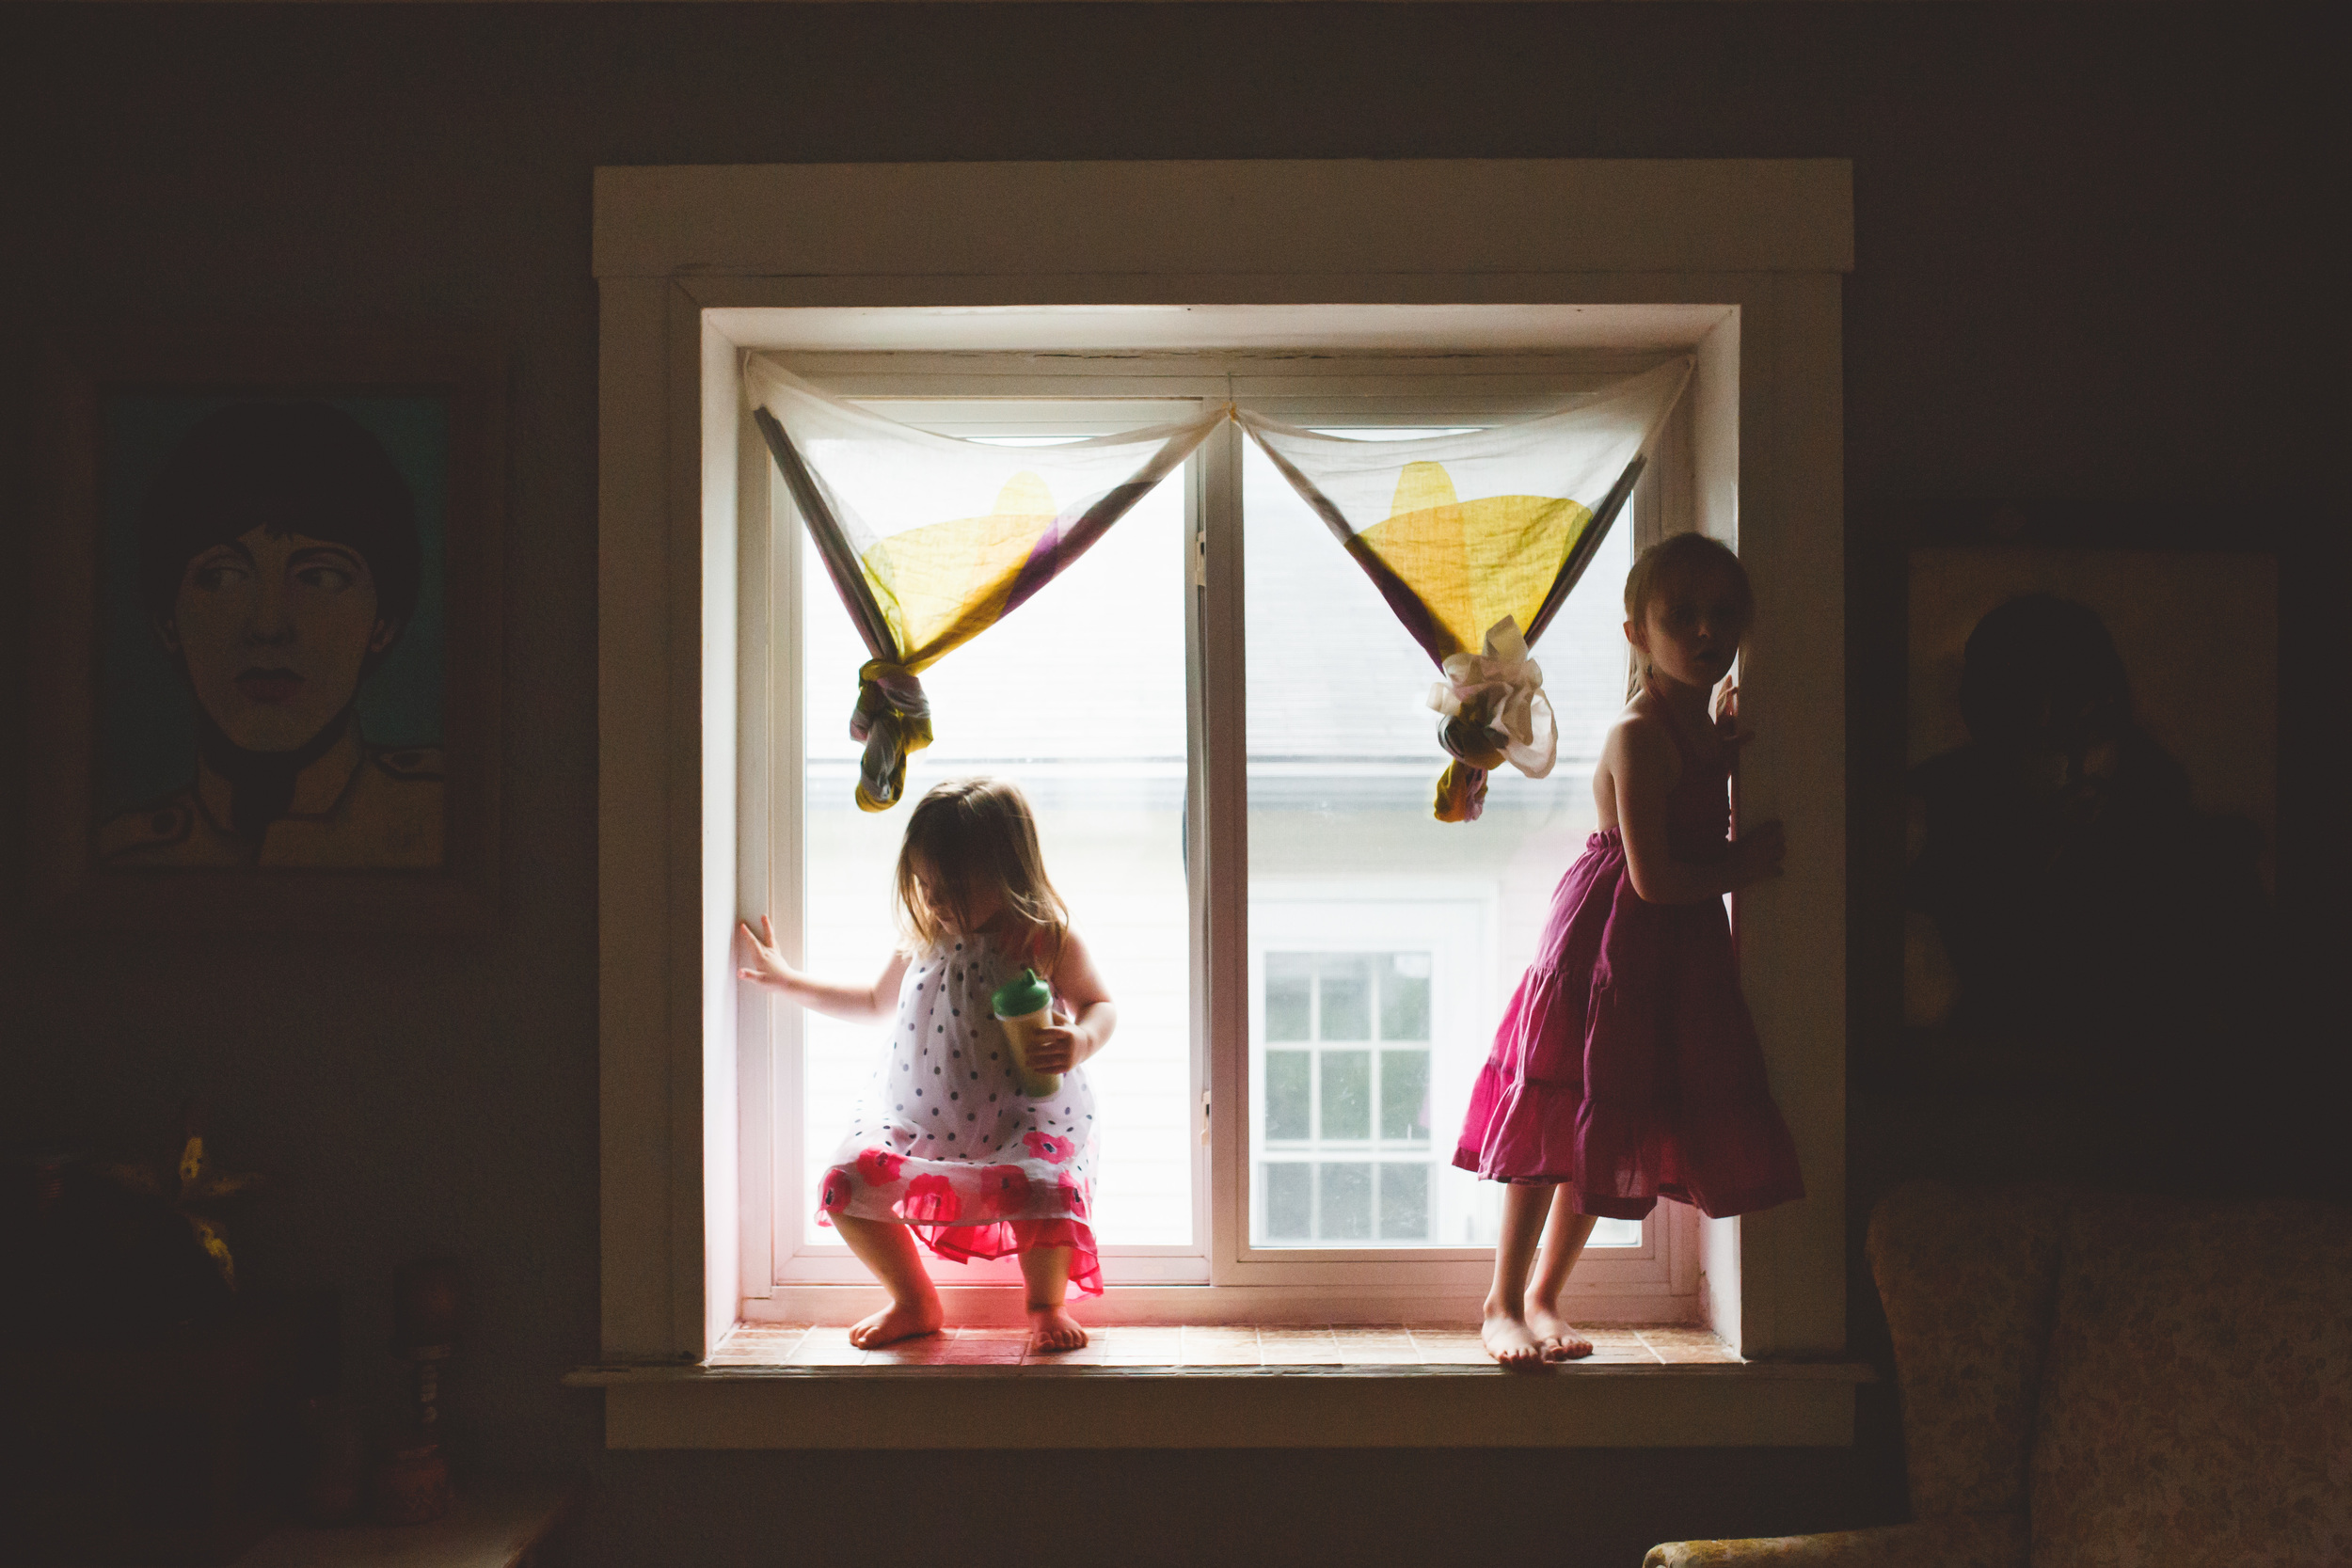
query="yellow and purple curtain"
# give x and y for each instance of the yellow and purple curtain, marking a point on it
(930, 540)
(1475, 541)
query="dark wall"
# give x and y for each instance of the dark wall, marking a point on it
(2088, 278)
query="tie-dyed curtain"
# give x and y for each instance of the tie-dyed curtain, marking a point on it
(931, 541)
(1475, 541)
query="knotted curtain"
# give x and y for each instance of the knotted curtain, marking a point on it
(1475, 541)
(930, 540)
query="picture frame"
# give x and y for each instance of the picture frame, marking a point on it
(2091, 790)
(265, 660)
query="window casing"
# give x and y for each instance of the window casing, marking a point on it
(1464, 898)
(695, 265)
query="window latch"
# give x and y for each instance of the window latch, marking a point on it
(1201, 559)
(1204, 1116)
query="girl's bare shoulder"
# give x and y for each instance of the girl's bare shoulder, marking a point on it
(1070, 949)
(1044, 948)
(1640, 733)
(1075, 978)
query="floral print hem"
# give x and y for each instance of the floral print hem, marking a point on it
(961, 1243)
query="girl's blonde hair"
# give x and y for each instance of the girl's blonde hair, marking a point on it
(1677, 560)
(979, 832)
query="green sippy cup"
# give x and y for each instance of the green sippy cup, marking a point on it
(1023, 1008)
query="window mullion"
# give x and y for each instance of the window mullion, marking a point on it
(781, 884)
(1220, 872)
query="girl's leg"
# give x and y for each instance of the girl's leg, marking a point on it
(1505, 1329)
(1564, 1244)
(888, 1249)
(1045, 1271)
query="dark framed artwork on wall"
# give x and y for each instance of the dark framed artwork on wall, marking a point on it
(2092, 813)
(265, 664)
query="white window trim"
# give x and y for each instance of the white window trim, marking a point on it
(951, 254)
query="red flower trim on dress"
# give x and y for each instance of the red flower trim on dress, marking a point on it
(961, 1243)
(1046, 1147)
(1003, 1191)
(931, 1200)
(879, 1167)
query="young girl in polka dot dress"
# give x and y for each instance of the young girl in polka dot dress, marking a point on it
(945, 1147)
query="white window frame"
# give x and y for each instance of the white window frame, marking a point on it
(951, 254)
(786, 1278)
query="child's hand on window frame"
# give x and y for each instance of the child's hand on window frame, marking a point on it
(767, 966)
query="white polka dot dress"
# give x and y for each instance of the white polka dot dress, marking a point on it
(944, 1140)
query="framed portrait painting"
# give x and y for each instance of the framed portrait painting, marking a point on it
(265, 658)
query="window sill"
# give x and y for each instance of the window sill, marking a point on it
(1223, 1388)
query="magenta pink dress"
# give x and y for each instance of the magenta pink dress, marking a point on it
(1627, 1066)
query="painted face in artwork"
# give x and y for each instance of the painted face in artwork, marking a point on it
(275, 630)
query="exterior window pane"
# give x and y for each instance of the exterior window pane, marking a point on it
(1403, 1203)
(1405, 1096)
(1289, 1200)
(1346, 1202)
(1346, 1002)
(1289, 979)
(1404, 998)
(1346, 1094)
(1288, 1096)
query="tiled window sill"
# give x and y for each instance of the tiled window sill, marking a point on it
(1448, 1347)
(1221, 1386)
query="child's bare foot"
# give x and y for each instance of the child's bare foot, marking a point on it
(1510, 1341)
(1557, 1336)
(1050, 1328)
(899, 1321)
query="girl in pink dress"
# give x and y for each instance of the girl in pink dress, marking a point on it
(945, 1147)
(1626, 1068)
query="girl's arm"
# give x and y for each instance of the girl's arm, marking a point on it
(1063, 1045)
(852, 1004)
(1641, 770)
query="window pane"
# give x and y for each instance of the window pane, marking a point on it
(1346, 1094)
(1290, 1198)
(1346, 1000)
(1109, 793)
(1289, 979)
(1403, 1203)
(1405, 1096)
(1426, 925)
(1404, 998)
(1346, 1202)
(1287, 1097)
